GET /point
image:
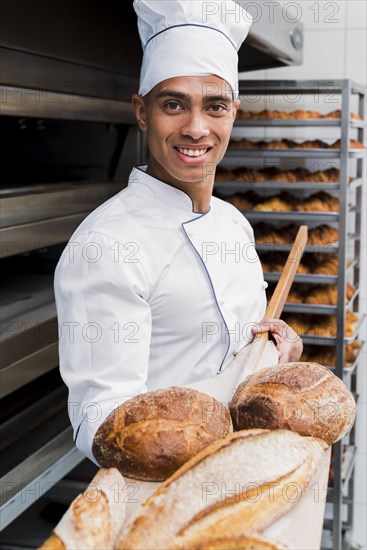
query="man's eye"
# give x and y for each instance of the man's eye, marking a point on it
(172, 106)
(217, 108)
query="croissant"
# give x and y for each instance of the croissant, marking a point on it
(338, 114)
(319, 202)
(276, 175)
(302, 268)
(278, 203)
(352, 350)
(323, 294)
(322, 235)
(240, 201)
(224, 175)
(295, 297)
(353, 144)
(298, 325)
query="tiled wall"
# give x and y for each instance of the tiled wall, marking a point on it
(335, 47)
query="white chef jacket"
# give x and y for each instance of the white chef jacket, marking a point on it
(151, 294)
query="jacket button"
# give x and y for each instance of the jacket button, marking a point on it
(264, 284)
(235, 221)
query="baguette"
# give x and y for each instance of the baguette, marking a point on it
(224, 491)
(304, 397)
(94, 519)
(238, 543)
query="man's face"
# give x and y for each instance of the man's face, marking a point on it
(188, 121)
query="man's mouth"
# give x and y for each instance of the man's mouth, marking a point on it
(192, 152)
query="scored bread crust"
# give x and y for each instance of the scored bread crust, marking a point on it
(207, 497)
(238, 543)
(94, 518)
(303, 397)
(151, 435)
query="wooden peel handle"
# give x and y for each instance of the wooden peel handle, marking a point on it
(277, 301)
(281, 291)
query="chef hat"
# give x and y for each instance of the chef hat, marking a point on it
(190, 38)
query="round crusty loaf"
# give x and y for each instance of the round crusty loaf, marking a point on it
(303, 397)
(151, 435)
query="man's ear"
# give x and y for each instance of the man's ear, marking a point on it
(236, 105)
(140, 111)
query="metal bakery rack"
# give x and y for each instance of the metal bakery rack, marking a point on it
(350, 189)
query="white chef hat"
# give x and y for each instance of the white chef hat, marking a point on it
(190, 38)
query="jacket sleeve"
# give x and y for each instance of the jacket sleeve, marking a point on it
(104, 321)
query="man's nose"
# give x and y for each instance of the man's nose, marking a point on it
(195, 126)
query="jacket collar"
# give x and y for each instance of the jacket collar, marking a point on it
(162, 193)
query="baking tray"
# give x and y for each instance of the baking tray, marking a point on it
(236, 152)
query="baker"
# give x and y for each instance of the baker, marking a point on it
(161, 285)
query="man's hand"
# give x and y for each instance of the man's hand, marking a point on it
(287, 341)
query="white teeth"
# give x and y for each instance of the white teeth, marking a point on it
(192, 152)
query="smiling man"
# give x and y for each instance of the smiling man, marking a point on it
(161, 285)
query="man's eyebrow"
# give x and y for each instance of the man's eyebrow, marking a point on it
(220, 98)
(175, 94)
(184, 97)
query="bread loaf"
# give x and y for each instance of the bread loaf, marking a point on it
(94, 519)
(151, 435)
(224, 491)
(303, 397)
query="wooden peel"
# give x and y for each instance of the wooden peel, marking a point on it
(301, 528)
(278, 299)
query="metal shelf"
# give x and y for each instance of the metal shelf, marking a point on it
(310, 278)
(331, 248)
(299, 86)
(296, 122)
(313, 278)
(271, 215)
(317, 309)
(237, 186)
(236, 152)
